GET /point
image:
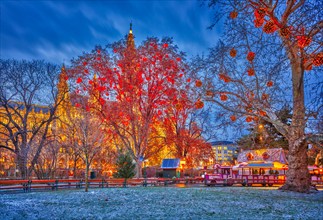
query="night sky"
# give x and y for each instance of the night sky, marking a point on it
(57, 31)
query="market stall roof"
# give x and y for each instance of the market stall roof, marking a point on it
(260, 164)
(263, 155)
(170, 163)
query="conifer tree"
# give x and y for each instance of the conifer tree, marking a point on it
(125, 167)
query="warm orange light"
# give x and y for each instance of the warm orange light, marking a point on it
(233, 118)
(248, 119)
(198, 83)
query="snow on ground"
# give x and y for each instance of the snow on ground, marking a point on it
(163, 203)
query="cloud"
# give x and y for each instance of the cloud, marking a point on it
(60, 30)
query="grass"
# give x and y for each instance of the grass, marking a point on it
(163, 203)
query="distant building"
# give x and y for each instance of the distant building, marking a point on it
(226, 152)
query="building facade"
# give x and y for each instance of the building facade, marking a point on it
(225, 152)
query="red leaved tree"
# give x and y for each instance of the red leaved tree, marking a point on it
(131, 87)
(261, 67)
(184, 130)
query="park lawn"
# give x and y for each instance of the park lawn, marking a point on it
(163, 203)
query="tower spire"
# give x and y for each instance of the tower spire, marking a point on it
(130, 39)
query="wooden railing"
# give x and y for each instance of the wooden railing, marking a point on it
(56, 184)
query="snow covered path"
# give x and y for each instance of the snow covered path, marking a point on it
(163, 203)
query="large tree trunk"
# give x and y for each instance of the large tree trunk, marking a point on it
(139, 169)
(87, 174)
(298, 177)
(22, 165)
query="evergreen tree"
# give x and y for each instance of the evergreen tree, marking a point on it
(125, 167)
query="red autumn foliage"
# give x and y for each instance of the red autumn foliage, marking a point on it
(260, 13)
(251, 72)
(318, 59)
(258, 22)
(285, 32)
(269, 27)
(225, 78)
(303, 41)
(145, 82)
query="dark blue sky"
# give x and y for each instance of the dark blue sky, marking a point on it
(59, 30)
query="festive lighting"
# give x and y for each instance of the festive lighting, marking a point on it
(233, 118)
(233, 14)
(79, 80)
(198, 83)
(223, 97)
(199, 104)
(249, 156)
(233, 52)
(265, 156)
(248, 119)
(251, 72)
(251, 56)
(264, 96)
(262, 113)
(224, 77)
(270, 83)
(209, 93)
